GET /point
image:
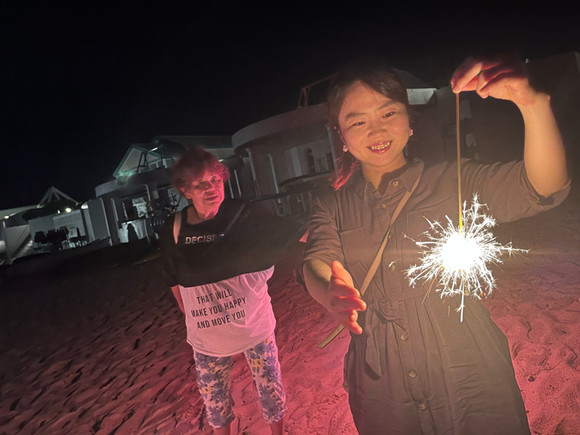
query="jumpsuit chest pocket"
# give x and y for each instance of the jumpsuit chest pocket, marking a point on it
(358, 250)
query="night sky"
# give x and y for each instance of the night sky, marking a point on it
(82, 81)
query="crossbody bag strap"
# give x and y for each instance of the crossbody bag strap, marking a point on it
(377, 261)
(176, 225)
(235, 218)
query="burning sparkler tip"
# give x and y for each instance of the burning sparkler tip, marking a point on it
(458, 258)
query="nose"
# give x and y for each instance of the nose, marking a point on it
(376, 127)
(210, 190)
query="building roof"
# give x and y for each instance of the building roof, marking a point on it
(6, 213)
(54, 194)
(208, 142)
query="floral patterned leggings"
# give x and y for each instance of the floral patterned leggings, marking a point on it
(213, 379)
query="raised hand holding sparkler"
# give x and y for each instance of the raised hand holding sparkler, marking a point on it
(458, 257)
(506, 78)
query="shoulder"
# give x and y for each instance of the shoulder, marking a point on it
(230, 207)
(327, 198)
(440, 167)
(450, 166)
(229, 204)
(327, 192)
(447, 170)
(233, 203)
(353, 185)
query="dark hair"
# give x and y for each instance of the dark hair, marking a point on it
(192, 164)
(377, 75)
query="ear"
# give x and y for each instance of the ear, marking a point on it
(336, 128)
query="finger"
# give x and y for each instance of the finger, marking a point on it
(339, 289)
(351, 323)
(344, 305)
(466, 75)
(498, 78)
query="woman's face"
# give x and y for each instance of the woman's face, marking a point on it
(206, 192)
(375, 129)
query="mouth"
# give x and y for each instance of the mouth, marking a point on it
(380, 146)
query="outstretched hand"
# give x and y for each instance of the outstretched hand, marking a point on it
(344, 300)
(504, 78)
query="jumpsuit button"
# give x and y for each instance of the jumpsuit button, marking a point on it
(412, 373)
(392, 266)
(404, 336)
(395, 183)
(383, 206)
(421, 406)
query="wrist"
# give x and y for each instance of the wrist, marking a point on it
(537, 101)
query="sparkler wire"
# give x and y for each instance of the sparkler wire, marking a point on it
(458, 140)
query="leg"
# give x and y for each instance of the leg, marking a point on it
(213, 380)
(263, 362)
(277, 428)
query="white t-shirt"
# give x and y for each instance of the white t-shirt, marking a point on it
(227, 317)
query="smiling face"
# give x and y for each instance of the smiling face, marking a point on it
(375, 129)
(206, 193)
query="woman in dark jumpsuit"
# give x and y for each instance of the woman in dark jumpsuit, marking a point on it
(412, 366)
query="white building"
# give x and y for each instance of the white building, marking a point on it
(283, 158)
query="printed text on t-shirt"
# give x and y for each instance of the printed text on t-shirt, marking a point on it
(224, 309)
(206, 238)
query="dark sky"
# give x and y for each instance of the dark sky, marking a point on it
(81, 81)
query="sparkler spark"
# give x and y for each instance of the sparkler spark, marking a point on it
(457, 259)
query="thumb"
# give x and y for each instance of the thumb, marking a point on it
(340, 273)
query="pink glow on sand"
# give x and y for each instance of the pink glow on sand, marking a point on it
(104, 350)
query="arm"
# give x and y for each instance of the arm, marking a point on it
(544, 153)
(167, 246)
(333, 288)
(327, 281)
(177, 295)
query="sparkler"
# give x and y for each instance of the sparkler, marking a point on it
(458, 258)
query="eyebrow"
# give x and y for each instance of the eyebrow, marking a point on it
(355, 114)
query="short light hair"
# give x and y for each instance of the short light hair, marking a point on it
(191, 166)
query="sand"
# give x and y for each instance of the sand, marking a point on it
(97, 346)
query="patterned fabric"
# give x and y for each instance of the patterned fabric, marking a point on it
(213, 379)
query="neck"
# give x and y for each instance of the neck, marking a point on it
(195, 216)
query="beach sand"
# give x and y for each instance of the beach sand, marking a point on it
(97, 346)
